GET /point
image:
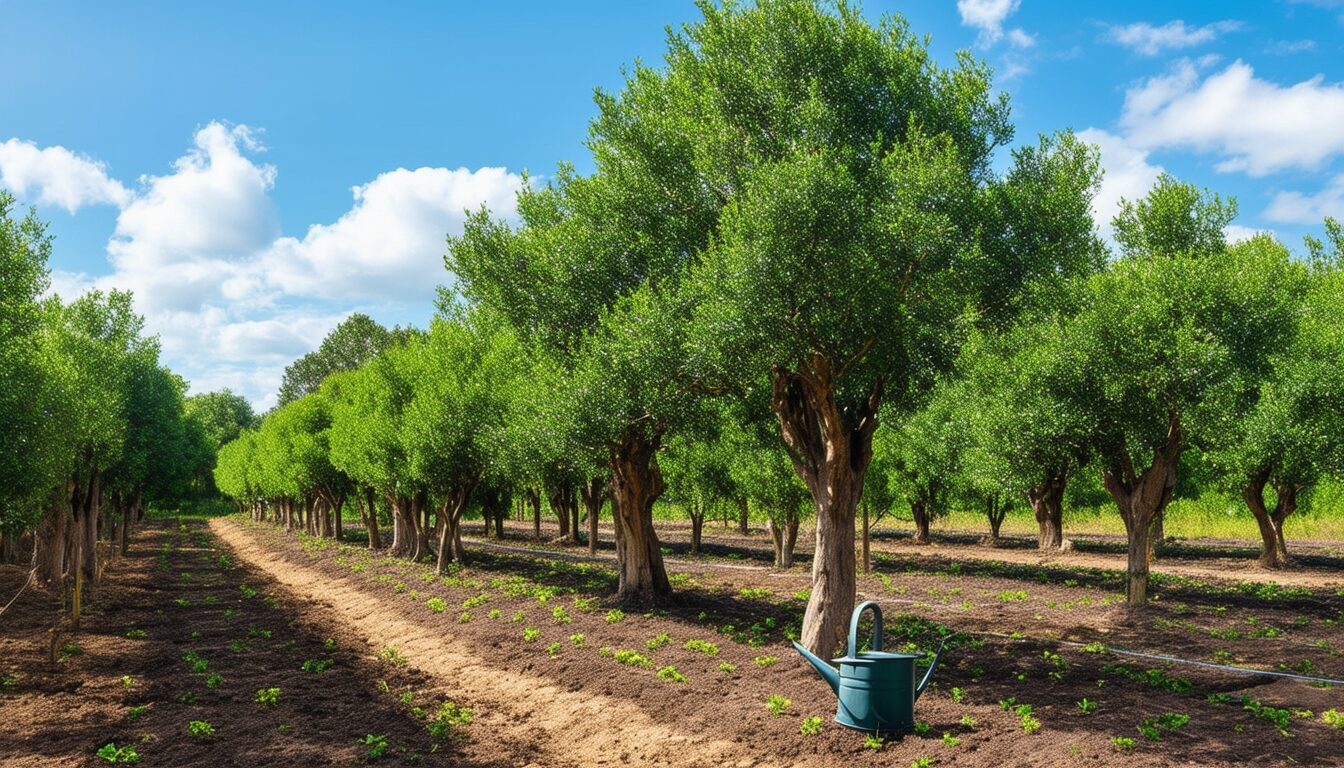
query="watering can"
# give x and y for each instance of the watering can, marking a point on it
(876, 688)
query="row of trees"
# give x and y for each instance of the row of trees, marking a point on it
(793, 234)
(92, 427)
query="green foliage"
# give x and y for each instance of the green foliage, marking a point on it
(1155, 727)
(448, 720)
(777, 704)
(111, 753)
(703, 646)
(200, 729)
(811, 726)
(670, 674)
(268, 697)
(374, 747)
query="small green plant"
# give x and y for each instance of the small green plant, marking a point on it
(1013, 596)
(811, 726)
(958, 695)
(264, 634)
(561, 617)
(615, 616)
(182, 602)
(448, 719)
(69, 651)
(577, 639)
(671, 675)
(777, 704)
(464, 617)
(137, 634)
(139, 711)
(705, 647)
(923, 762)
(633, 659)
(1087, 706)
(127, 681)
(472, 602)
(1333, 718)
(1122, 743)
(436, 605)
(1029, 722)
(238, 646)
(658, 642)
(248, 592)
(406, 697)
(874, 742)
(229, 613)
(1095, 648)
(1155, 727)
(765, 661)
(200, 729)
(727, 668)
(922, 727)
(495, 613)
(553, 650)
(374, 747)
(268, 697)
(518, 617)
(950, 740)
(114, 754)
(759, 593)
(317, 665)
(967, 721)
(214, 681)
(329, 643)
(530, 634)
(605, 652)
(391, 654)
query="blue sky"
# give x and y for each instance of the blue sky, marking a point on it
(255, 171)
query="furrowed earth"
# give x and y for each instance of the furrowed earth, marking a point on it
(365, 651)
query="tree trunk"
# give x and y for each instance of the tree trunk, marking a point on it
(742, 516)
(450, 524)
(697, 513)
(405, 528)
(419, 508)
(920, 512)
(1254, 495)
(574, 521)
(560, 498)
(1141, 497)
(1158, 535)
(1283, 509)
(1047, 502)
(790, 540)
(338, 518)
(995, 511)
(593, 493)
(776, 540)
(636, 482)
(49, 542)
(831, 451)
(534, 498)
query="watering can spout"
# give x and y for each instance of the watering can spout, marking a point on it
(928, 675)
(828, 672)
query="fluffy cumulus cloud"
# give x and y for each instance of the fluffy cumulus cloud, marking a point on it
(1236, 233)
(1292, 207)
(390, 245)
(232, 299)
(1148, 40)
(1128, 175)
(989, 16)
(1257, 126)
(55, 176)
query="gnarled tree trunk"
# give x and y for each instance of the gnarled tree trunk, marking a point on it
(1047, 502)
(1141, 497)
(450, 525)
(995, 511)
(831, 451)
(534, 499)
(919, 510)
(636, 482)
(561, 499)
(697, 514)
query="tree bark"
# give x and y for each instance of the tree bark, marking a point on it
(831, 451)
(1254, 495)
(49, 541)
(1047, 502)
(995, 510)
(534, 499)
(594, 492)
(697, 513)
(1284, 507)
(1141, 497)
(636, 483)
(919, 510)
(450, 524)
(560, 499)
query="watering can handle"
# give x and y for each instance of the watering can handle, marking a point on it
(876, 644)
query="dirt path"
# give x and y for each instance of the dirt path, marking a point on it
(567, 728)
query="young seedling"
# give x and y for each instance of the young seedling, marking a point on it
(874, 742)
(135, 712)
(727, 668)
(436, 605)
(658, 642)
(958, 695)
(922, 762)
(114, 754)
(707, 648)
(811, 726)
(615, 616)
(765, 661)
(391, 654)
(317, 665)
(950, 740)
(531, 634)
(553, 650)
(1122, 743)
(1087, 706)
(671, 675)
(1154, 728)
(559, 615)
(200, 729)
(127, 681)
(777, 704)
(448, 720)
(375, 747)
(967, 721)
(577, 639)
(137, 634)
(268, 697)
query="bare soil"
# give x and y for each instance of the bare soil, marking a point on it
(506, 643)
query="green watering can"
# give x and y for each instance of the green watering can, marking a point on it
(876, 688)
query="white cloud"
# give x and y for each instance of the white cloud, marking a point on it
(1128, 175)
(56, 176)
(1289, 47)
(1148, 40)
(232, 300)
(988, 16)
(390, 245)
(1260, 126)
(1236, 233)
(1298, 208)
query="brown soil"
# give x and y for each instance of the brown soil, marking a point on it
(60, 715)
(576, 706)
